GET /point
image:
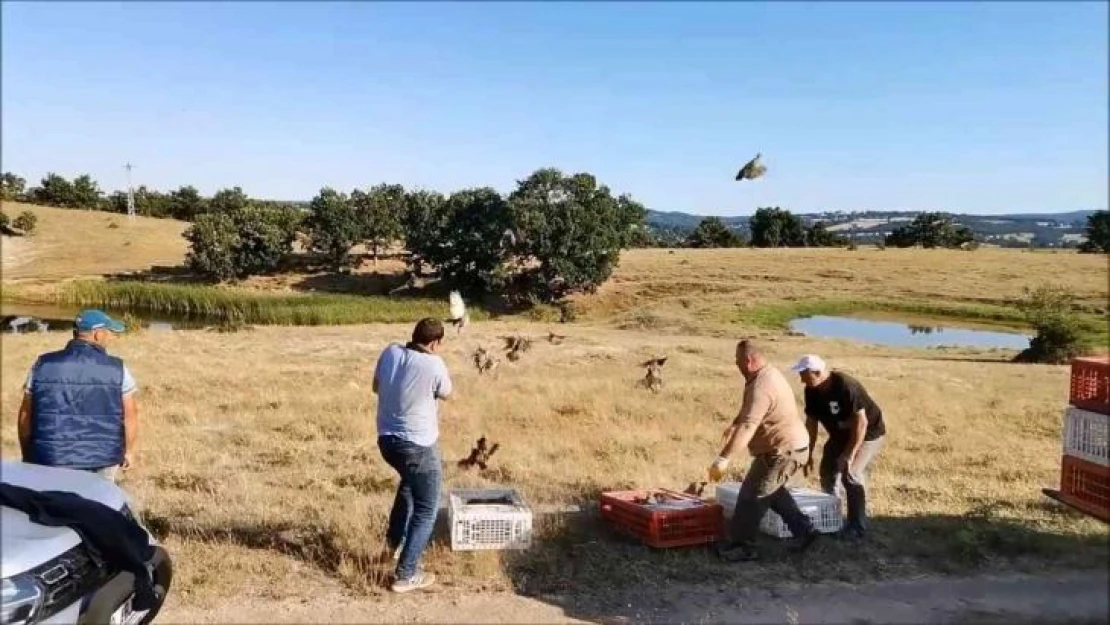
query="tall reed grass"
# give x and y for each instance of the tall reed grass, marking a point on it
(221, 304)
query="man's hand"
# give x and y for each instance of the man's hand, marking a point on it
(717, 469)
(128, 461)
(808, 467)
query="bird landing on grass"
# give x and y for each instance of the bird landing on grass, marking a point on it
(459, 317)
(653, 377)
(479, 455)
(485, 361)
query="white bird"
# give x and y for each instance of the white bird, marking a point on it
(459, 318)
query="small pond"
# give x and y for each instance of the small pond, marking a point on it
(60, 318)
(897, 334)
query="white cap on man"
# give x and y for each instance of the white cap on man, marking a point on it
(809, 362)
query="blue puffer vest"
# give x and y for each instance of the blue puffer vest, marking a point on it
(77, 409)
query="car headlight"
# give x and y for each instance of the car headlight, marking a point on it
(22, 598)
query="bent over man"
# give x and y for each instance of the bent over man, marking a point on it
(770, 427)
(78, 408)
(854, 424)
(409, 380)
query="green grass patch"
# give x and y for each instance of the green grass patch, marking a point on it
(218, 304)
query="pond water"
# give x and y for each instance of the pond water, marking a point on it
(897, 334)
(60, 318)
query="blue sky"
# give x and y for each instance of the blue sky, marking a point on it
(978, 108)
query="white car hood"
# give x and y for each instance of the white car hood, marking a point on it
(24, 544)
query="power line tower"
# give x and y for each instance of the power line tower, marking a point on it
(130, 192)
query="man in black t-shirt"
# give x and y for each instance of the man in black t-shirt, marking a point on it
(854, 423)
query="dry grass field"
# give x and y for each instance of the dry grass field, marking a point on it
(72, 243)
(258, 465)
(689, 289)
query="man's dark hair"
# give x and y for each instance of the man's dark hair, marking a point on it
(427, 331)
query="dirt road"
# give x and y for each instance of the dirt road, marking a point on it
(1067, 598)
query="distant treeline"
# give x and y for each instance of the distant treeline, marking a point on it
(555, 234)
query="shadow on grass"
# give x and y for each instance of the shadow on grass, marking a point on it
(360, 567)
(582, 566)
(159, 274)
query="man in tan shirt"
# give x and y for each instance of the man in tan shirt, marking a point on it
(776, 437)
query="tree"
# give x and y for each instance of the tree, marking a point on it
(213, 240)
(380, 211)
(569, 231)
(644, 236)
(186, 203)
(26, 222)
(775, 227)
(712, 232)
(54, 190)
(12, 187)
(422, 221)
(333, 227)
(469, 253)
(228, 200)
(931, 230)
(266, 235)
(817, 235)
(86, 193)
(241, 238)
(148, 203)
(1098, 233)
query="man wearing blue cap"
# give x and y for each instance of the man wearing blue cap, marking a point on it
(78, 409)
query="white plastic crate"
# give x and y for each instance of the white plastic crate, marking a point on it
(1087, 435)
(482, 526)
(822, 509)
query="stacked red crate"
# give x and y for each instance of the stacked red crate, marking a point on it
(699, 524)
(1085, 466)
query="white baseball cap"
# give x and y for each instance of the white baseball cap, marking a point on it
(809, 362)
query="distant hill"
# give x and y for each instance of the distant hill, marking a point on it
(1062, 229)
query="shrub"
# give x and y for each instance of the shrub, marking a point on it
(1050, 310)
(26, 222)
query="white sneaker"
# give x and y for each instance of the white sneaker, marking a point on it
(416, 582)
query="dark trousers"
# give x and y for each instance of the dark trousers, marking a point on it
(413, 517)
(765, 487)
(854, 479)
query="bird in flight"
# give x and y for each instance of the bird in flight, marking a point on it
(752, 169)
(459, 318)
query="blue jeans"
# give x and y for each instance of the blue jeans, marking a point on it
(416, 505)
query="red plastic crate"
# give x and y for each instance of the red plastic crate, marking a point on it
(1086, 486)
(700, 525)
(1090, 384)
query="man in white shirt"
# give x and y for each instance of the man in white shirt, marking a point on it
(409, 381)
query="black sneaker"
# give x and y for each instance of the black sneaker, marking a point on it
(737, 553)
(805, 542)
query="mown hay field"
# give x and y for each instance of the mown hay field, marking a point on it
(258, 465)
